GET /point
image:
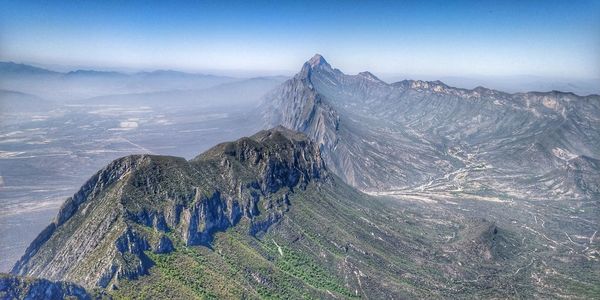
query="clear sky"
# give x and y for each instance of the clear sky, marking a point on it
(434, 38)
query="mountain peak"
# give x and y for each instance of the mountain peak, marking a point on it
(280, 132)
(278, 150)
(317, 60)
(368, 75)
(95, 73)
(17, 68)
(136, 200)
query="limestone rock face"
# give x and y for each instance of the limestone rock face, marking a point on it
(131, 206)
(422, 134)
(263, 217)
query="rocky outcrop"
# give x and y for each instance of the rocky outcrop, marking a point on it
(99, 227)
(102, 233)
(16, 287)
(416, 134)
(478, 240)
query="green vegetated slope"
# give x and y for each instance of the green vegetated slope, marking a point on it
(333, 243)
(262, 217)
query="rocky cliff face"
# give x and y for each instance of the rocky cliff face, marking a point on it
(528, 161)
(297, 105)
(15, 287)
(262, 217)
(139, 203)
(418, 134)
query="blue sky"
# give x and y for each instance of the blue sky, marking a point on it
(429, 38)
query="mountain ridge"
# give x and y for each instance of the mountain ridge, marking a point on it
(265, 212)
(528, 161)
(481, 194)
(399, 107)
(167, 206)
(9, 66)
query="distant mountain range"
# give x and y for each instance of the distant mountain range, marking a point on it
(15, 69)
(524, 83)
(511, 83)
(256, 218)
(467, 194)
(11, 101)
(31, 79)
(240, 92)
(428, 136)
(528, 161)
(83, 84)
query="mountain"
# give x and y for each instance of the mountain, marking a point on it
(471, 194)
(263, 217)
(11, 68)
(15, 69)
(516, 84)
(15, 287)
(142, 88)
(17, 102)
(529, 162)
(82, 84)
(93, 73)
(240, 92)
(428, 136)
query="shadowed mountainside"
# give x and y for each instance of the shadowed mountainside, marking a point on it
(527, 161)
(15, 287)
(262, 217)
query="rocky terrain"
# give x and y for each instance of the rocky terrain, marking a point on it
(263, 217)
(465, 194)
(382, 137)
(94, 240)
(528, 161)
(50, 144)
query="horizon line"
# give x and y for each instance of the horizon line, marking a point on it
(235, 73)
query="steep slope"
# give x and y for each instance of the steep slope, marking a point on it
(415, 134)
(94, 240)
(262, 217)
(527, 161)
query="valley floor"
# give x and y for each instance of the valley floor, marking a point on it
(559, 238)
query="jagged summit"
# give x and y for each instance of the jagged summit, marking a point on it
(331, 108)
(368, 75)
(278, 138)
(251, 218)
(317, 60)
(280, 132)
(270, 154)
(243, 181)
(316, 64)
(94, 73)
